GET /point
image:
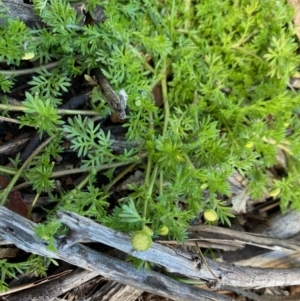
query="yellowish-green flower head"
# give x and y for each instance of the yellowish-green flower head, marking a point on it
(141, 240)
(210, 215)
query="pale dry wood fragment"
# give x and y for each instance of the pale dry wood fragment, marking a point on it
(47, 290)
(178, 261)
(113, 291)
(4, 242)
(26, 285)
(273, 259)
(20, 231)
(280, 226)
(266, 297)
(204, 242)
(75, 279)
(259, 240)
(284, 225)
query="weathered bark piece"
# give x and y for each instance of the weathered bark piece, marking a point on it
(4, 242)
(206, 242)
(284, 225)
(46, 292)
(26, 13)
(260, 240)
(280, 227)
(20, 231)
(48, 289)
(176, 261)
(273, 259)
(21, 11)
(255, 297)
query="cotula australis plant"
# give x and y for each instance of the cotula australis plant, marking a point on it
(223, 69)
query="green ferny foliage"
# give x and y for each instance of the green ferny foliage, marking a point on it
(223, 69)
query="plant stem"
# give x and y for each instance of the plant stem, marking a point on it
(9, 187)
(205, 262)
(8, 170)
(61, 173)
(187, 12)
(83, 182)
(189, 162)
(146, 64)
(148, 170)
(195, 103)
(149, 162)
(28, 71)
(149, 192)
(7, 119)
(166, 117)
(119, 176)
(32, 205)
(21, 186)
(161, 182)
(248, 52)
(165, 99)
(12, 107)
(171, 21)
(76, 112)
(59, 111)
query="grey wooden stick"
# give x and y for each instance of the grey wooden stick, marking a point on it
(176, 261)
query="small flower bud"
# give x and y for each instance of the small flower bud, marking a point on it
(141, 240)
(164, 230)
(210, 215)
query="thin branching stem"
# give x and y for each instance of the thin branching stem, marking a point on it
(165, 100)
(28, 71)
(59, 111)
(120, 176)
(13, 181)
(149, 193)
(166, 117)
(32, 205)
(149, 162)
(7, 119)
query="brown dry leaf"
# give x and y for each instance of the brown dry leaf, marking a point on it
(294, 290)
(7, 252)
(239, 201)
(15, 201)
